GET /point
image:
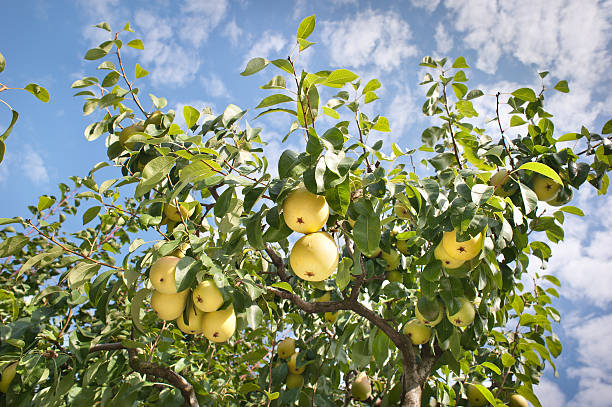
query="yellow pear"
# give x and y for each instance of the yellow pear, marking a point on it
(395, 276)
(219, 326)
(545, 188)
(286, 348)
(425, 321)
(402, 211)
(461, 250)
(361, 388)
(474, 396)
(207, 297)
(194, 321)
(8, 374)
(127, 133)
(331, 317)
(502, 182)
(402, 246)
(294, 380)
(181, 250)
(516, 400)
(446, 259)
(418, 332)
(162, 274)
(314, 257)
(392, 258)
(292, 364)
(176, 214)
(169, 306)
(305, 212)
(464, 316)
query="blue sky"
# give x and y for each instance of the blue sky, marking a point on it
(195, 50)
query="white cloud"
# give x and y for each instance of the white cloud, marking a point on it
(403, 111)
(233, 32)
(370, 38)
(595, 361)
(199, 18)
(33, 166)
(444, 42)
(549, 394)
(269, 45)
(215, 86)
(429, 5)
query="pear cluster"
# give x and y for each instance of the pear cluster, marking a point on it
(200, 314)
(462, 318)
(453, 254)
(314, 257)
(286, 351)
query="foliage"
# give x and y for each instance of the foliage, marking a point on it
(75, 310)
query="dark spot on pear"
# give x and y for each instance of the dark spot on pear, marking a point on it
(310, 274)
(216, 334)
(300, 220)
(200, 299)
(161, 279)
(461, 249)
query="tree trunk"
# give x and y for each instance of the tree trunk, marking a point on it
(411, 394)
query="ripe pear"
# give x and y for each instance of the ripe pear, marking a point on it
(464, 316)
(292, 364)
(545, 188)
(446, 259)
(305, 212)
(162, 274)
(474, 396)
(392, 258)
(219, 326)
(461, 250)
(361, 388)
(402, 211)
(314, 257)
(395, 276)
(175, 214)
(331, 317)
(181, 250)
(418, 332)
(294, 380)
(516, 400)
(169, 306)
(127, 133)
(194, 319)
(8, 374)
(503, 183)
(402, 246)
(286, 348)
(427, 322)
(207, 297)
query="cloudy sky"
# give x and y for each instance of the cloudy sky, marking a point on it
(195, 50)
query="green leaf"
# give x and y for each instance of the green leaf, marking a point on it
(12, 245)
(306, 27)
(137, 44)
(516, 121)
(372, 85)
(339, 197)
(370, 97)
(367, 234)
(474, 93)
(140, 72)
(255, 65)
(339, 77)
(278, 82)
(90, 214)
(95, 53)
(492, 367)
(8, 130)
(562, 86)
(45, 202)
(460, 63)
(570, 137)
(485, 392)
(283, 64)
(530, 199)
(330, 112)
(254, 233)
(573, 210)
(154, 172)
(607, 128)
(223, 202)
(283, 286)
(38, 91)
(382, 124)
(111, 79)
(343, 275)
(460, 89)
(526, 94)
(274, 100)
(508, 360)
(137, 301)
(103, 25)
(191, 115)
(186, 270)
(7, 221)
(2, 62)
(542, 169)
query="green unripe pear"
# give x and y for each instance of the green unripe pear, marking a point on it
(8, 374)
(426, 321)
(394, 276)
(361, 388)
(418, 332)
(286, 348)
(516, 400)
(129, 132)
(474, 396)
(294, 380)
(464, 316)
(393, 259)
(292, 364)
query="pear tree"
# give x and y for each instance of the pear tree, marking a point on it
(192, 269)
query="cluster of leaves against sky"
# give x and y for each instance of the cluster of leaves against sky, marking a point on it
(74, 302)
